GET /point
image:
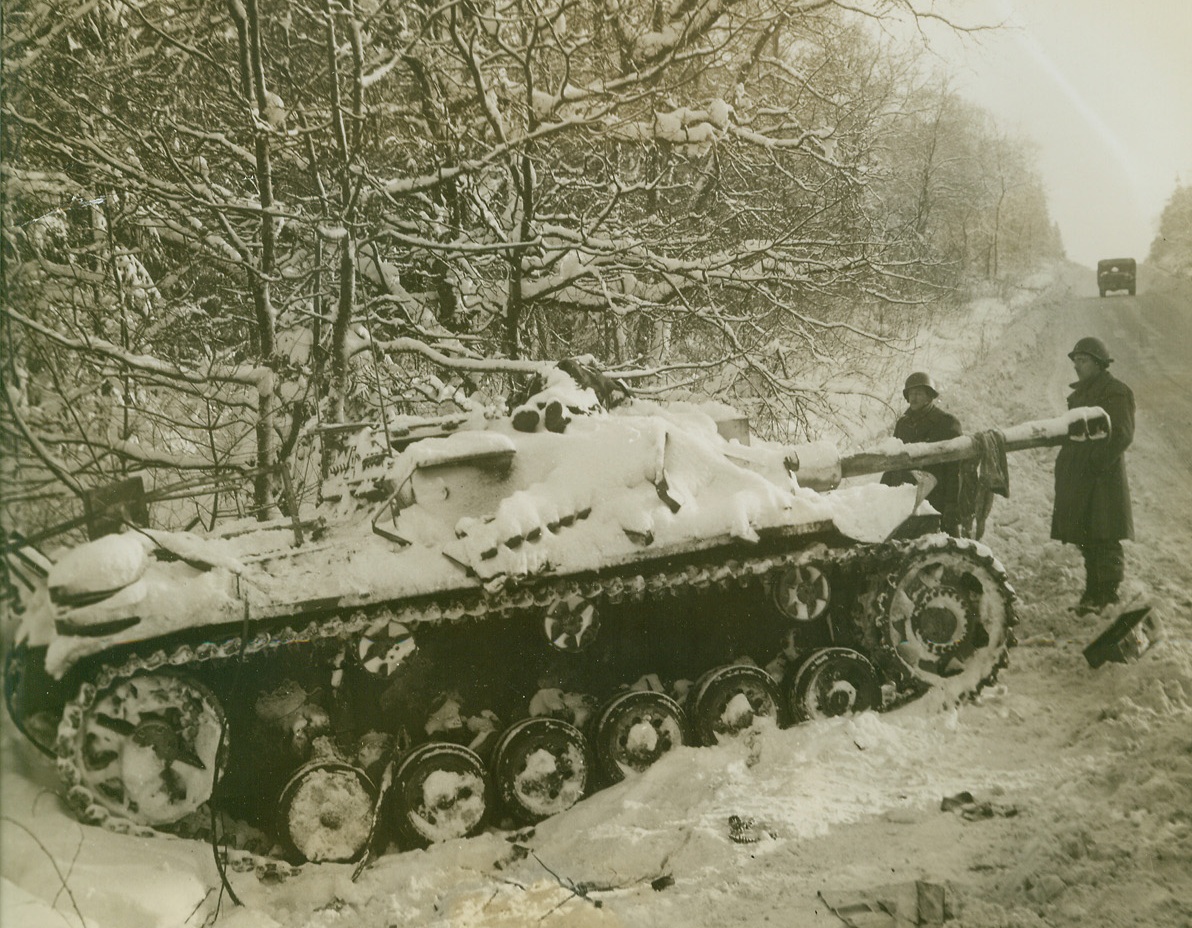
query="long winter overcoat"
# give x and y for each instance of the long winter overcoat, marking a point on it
(931, 424)
(1092, 495)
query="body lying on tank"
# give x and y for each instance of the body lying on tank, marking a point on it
(456, 633)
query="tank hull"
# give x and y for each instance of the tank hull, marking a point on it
(484, 627)
(471, 665)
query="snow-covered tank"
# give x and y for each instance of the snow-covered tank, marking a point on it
(483, 623)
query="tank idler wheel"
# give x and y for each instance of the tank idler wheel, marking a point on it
(726, 701)
(540, 768)
(439, 794)
(326, 811)
(945, 612)
(146, 748)
(635, 730)
(830, 682)
(571, 623)
(802, 592)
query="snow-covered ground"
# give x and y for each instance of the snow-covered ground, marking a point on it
(1081, 779)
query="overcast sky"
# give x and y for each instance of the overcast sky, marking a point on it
(1104, 87)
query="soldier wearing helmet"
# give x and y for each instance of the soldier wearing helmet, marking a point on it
(925, 421)
(1092, 495)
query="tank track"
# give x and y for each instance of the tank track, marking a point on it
(497, 599)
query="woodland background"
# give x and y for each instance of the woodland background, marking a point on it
(229, 228)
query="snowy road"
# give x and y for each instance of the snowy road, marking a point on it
(1083, 779)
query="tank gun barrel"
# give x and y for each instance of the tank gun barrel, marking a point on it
(1086, 423)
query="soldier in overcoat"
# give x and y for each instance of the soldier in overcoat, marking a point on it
(925, 421)
(1092, 494)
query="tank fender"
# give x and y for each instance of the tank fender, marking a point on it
(99, 568)
(871, 513)
(172, 596)
(36, 628)
(109, 616)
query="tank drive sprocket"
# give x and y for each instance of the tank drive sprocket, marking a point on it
(944, 612)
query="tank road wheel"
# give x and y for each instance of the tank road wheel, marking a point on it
(540, 768)
(384, 647)
(802, 592)
(439, 793)
(326, 811)
(832, 682)
(727, 700)
(945, 613)
(146, 749)
(571, 623)
(634, 730)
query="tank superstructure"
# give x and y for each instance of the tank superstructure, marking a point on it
(482, 623)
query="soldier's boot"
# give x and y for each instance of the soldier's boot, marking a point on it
(1108, 595)
(1115, 572)
(1102, 591)
(1092, 581)
(1111, 567)
(1101, 595)
(1098, 594)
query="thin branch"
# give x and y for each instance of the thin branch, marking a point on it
(247, 375)
(55, 466)
(54, 863)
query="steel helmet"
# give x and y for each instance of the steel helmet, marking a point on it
(920, 379)
(1094, 348)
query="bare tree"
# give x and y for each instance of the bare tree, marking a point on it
(228, 226)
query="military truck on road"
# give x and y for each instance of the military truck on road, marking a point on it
(1116, 274)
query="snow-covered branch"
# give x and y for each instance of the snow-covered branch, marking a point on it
(451, 362)
(43, 454)
(133, 452)
(255, 376)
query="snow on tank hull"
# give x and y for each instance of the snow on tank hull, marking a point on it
(485, 627)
